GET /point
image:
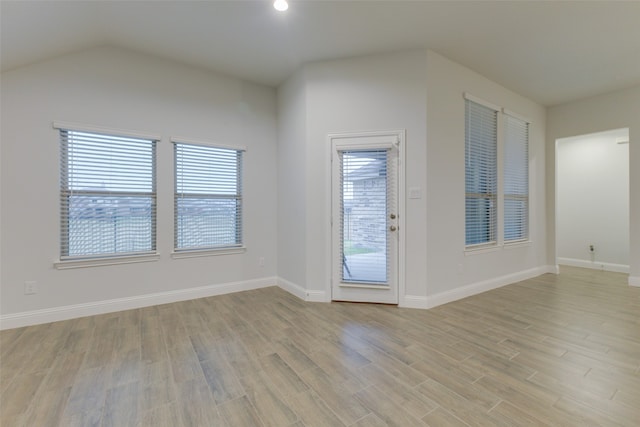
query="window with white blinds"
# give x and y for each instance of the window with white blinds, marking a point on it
(208, 197)
(481, 175)
(365, 186)
(516, 179)
(107, 195)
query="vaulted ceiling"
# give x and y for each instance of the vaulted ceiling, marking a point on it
(550, 51)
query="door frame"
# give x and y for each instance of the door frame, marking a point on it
(400, 137)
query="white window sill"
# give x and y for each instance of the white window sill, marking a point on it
(483, 249)
(208, 252)
(517, 244)
(98, 262)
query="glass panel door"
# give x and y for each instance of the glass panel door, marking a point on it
(365, 218)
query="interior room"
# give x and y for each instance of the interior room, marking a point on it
(410, 218)
(587, 165)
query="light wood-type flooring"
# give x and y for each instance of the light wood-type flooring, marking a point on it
(554, 350)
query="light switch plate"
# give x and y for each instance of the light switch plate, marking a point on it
(415, 193)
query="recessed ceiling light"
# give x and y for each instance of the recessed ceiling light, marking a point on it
(281, 5)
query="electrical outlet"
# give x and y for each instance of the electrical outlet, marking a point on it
(591, 248)
(261, 261)
(30, 287)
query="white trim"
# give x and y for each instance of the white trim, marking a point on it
(414, 301)
(483, 286)
(481, 101)
(594, 265)
(105, 130)
(381, 136)
(552, 269)
(516, 116)
(514, 244)
(372, 146)
(292, 288)
(302, 293)
(634, 281)
(402, 212)
(481, 249)
(486, 248)
(99, 262)
(180, 140)
(501, 145)
(316, 296)
(364, 286)
(54, 314)
(195, 253)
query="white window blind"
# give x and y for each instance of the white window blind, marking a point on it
(107, 195)
(516, 179)
(481, 176)
(364, 237)
(208, 197)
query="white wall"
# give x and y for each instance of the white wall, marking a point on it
(422, 92)
(292, 196)
(593, 201)
(381, 92)
(123, 90)
(287, 208)
(610, 111)
(450, 272)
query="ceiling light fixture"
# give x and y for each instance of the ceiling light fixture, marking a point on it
(281, 5)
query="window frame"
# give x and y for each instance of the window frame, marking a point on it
(103, 258)
(507, 114)
(493, 197)
(501, 142)
(191, 251)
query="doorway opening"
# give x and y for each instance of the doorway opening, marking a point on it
(592, 201)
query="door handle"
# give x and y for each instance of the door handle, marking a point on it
(393, 228)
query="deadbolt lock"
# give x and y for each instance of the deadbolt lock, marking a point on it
(392, 216)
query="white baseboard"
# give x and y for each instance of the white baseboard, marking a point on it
(634, 281)
(35, 317)
(413, 301)
(317, 296)
(425, 302)
(292, 288)
(300, 292)
(552, 269)
(485, 285)
(594, 265)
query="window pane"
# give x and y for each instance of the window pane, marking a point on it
(363, 219)
(107, 195)
(108, 163)
(206, 170)
(515, 219)
(109, 225)
(516, 179)
(480, 220)
(208, 197)
(207, 223)
(481, 178)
